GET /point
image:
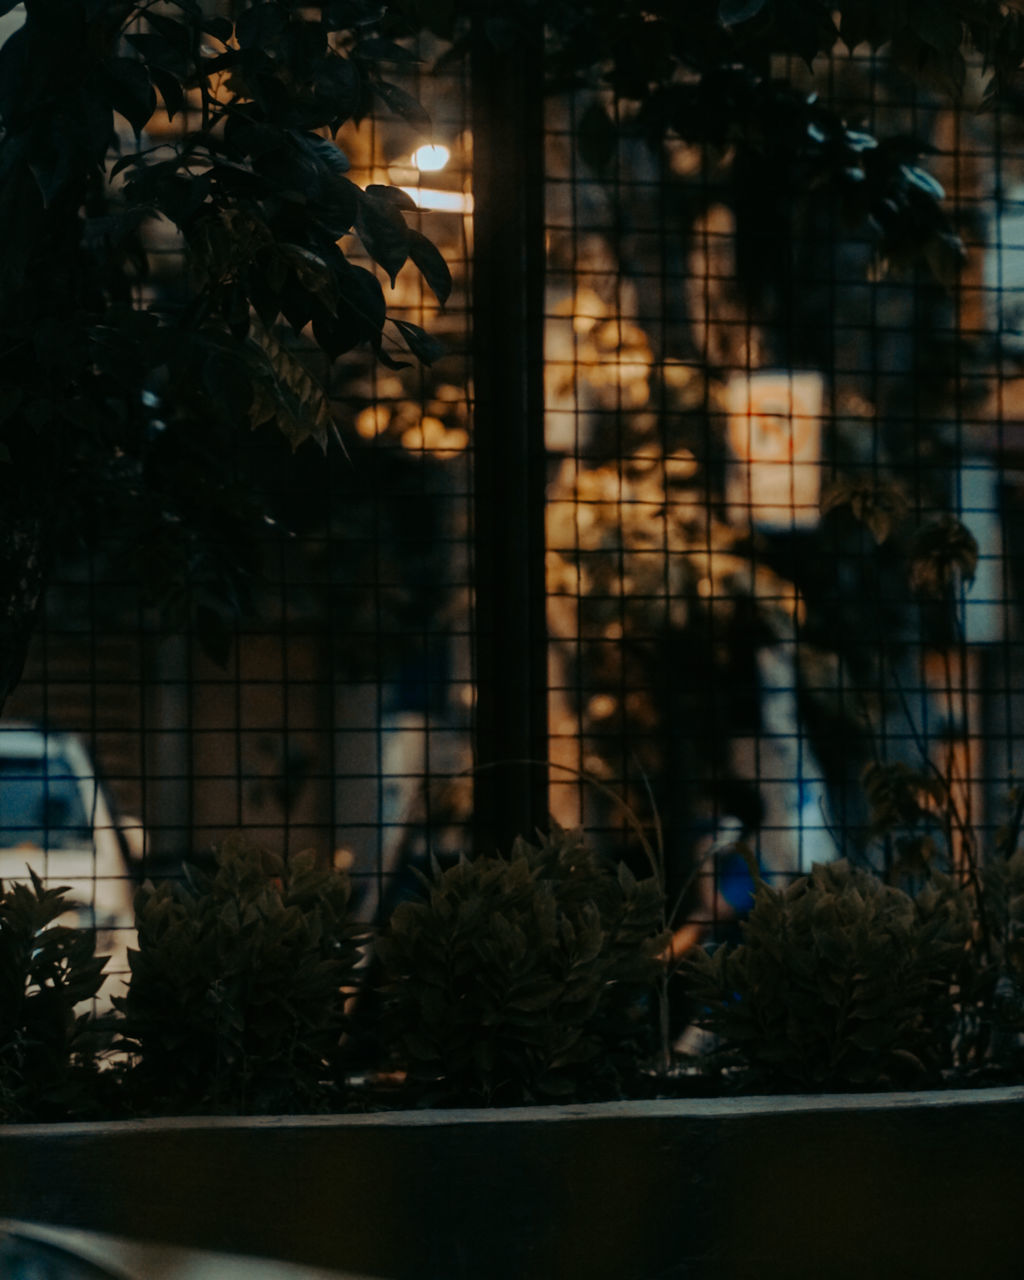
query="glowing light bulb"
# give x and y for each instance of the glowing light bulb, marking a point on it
(430, 157)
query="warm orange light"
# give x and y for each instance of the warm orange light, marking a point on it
(440, 201)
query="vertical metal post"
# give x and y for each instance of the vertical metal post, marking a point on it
(510, 635)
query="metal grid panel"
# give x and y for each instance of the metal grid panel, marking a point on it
(722, 653)
(750, 422)
(320, 693)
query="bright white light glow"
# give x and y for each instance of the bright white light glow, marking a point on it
(442, 201)
(431, 157)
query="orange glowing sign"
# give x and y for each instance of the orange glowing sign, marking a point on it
(773, 431)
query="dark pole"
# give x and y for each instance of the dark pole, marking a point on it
(510, 635)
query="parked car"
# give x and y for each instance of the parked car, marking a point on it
(57, 817)
(45, 1251)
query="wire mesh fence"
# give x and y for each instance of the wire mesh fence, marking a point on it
(765, 613)
(758, 442)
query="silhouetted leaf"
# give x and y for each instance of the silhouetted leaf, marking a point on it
(327, 152)
(733, 12)
(596, 136)
(170, 90)
(376, 49)
(175, 33)
(402, 104)
(389, 362)
(338, 82)
(221, 29)
(422, 344)
(129, 90)
(259, 25)
(856, 27)
(382, 229)
(431, 265)
(923, 180)
(393, 195)
(157, 51)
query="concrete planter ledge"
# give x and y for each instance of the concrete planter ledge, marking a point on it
(865, 1186)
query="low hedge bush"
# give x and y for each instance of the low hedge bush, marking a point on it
(526, 978)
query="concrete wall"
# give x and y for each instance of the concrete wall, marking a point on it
(865, 1187)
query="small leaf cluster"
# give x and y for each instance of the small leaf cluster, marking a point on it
(522, 979)
(793, 148)
(906, 807)
(878, 505)
(943, 552)
(841, 982)
(697, 75)
(128, 129)
(917, 813)
(257, 190)
(237, 993)
(995, 1033)
(47, 1043)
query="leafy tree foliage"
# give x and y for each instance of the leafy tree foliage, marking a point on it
(120, 405)
(702, 72)
(48, 1044)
